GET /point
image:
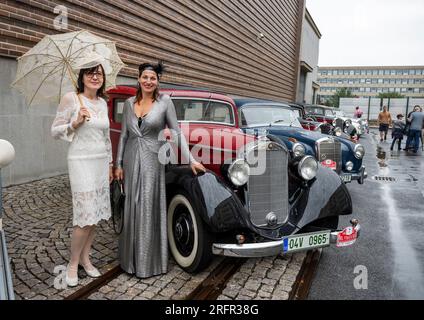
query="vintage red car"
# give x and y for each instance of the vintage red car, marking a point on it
(240, 207)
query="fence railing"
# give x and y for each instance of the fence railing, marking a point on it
(373, 106)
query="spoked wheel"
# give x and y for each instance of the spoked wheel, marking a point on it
(189, 241)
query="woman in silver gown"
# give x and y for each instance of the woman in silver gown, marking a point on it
(143, 244)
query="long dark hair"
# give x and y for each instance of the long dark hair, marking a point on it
(101, 93)
(158, 68)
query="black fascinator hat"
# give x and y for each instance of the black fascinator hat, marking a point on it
(158, 68)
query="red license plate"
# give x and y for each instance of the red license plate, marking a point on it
(347, 237)
(330, 164)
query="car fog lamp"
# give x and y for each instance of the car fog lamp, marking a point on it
(359, 151)
(349, 166)
(338, 132)
(308, 168)
(239, 172)
(298, 150)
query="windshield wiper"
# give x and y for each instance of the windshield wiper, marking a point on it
(279, 121)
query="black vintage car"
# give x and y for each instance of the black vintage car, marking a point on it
(241, 208)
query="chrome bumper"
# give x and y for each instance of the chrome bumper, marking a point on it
(359, 176)
(271, 248)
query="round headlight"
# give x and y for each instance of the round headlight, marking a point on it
(308, 168)
(349, 166)
(238, 172)
(298, 150)
(338, 132)
(359, 151)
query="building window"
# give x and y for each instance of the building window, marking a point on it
(399, 72)
(368, 81)
(412, 72)
(363, 72)
(387, 72)
(405, 72)
(375, 72)
(391, 89)
(397, 90)
(398, 81)
(362, 80)
(403, 90)
(419, 72)
(416, 90)
(386, 81)
(380, 80)
(357, 72)
(351, 72)
(392, 72)
(369, 72)
(374, 81)
(367, 89)
(379, 90)
(404, 81)
(380, 72)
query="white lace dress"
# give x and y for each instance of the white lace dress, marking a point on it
(89, 156)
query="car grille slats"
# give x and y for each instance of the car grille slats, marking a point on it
(269, 192)
(330, 149)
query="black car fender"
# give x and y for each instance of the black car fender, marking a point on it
(326, 196)
(218, 205)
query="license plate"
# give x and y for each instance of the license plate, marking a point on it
(346, 178)
(330, 164)
(306, 241)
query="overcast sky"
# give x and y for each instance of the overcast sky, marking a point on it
(369, 32)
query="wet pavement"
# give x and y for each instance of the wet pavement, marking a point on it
(390, 251)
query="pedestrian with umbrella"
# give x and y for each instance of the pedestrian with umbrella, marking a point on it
(79, 66)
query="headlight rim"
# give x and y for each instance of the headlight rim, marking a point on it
(355, 151)
(230, 169)
(298, 144)
(300, 165)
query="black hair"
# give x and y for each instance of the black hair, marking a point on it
(158, 68)
(399, 116)
(102, 91)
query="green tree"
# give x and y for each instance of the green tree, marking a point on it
(334, 100)
(390, 95)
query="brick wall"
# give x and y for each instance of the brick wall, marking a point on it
(212, 44)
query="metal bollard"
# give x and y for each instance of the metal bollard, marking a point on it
(7, 154)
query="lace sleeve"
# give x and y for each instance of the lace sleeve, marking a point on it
(61, 127)
(172, 122)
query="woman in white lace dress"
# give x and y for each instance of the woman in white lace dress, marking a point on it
(86, 127)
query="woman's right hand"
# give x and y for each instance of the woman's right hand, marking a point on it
(119, 174)
(83, 114)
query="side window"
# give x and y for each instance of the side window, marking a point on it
(219, 112)
(118, 109)
(203, 111)
(189, 110)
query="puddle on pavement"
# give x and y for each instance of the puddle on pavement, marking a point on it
(382, 157)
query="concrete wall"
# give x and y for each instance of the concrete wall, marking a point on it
(309, 52)
(38, 155)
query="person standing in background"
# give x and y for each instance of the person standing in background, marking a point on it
(397, 132)
(415, 131)
(384, 121)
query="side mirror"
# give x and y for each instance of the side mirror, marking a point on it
(7, 153)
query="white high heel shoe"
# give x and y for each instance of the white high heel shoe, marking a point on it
(92, 273)
(71, 282)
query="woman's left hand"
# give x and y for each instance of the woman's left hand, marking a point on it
(197, 167)
(110, 174)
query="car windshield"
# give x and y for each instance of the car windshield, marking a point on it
(314, 110)
(257, 115)
(329, 112)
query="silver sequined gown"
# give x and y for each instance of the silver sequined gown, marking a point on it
(143, 244)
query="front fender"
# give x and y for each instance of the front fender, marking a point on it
(218, 205)
(327, 196)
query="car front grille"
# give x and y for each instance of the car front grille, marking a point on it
(330, 149)
(268, 192)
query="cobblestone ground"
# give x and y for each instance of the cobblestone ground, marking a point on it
(264, 279)
(38, 224)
